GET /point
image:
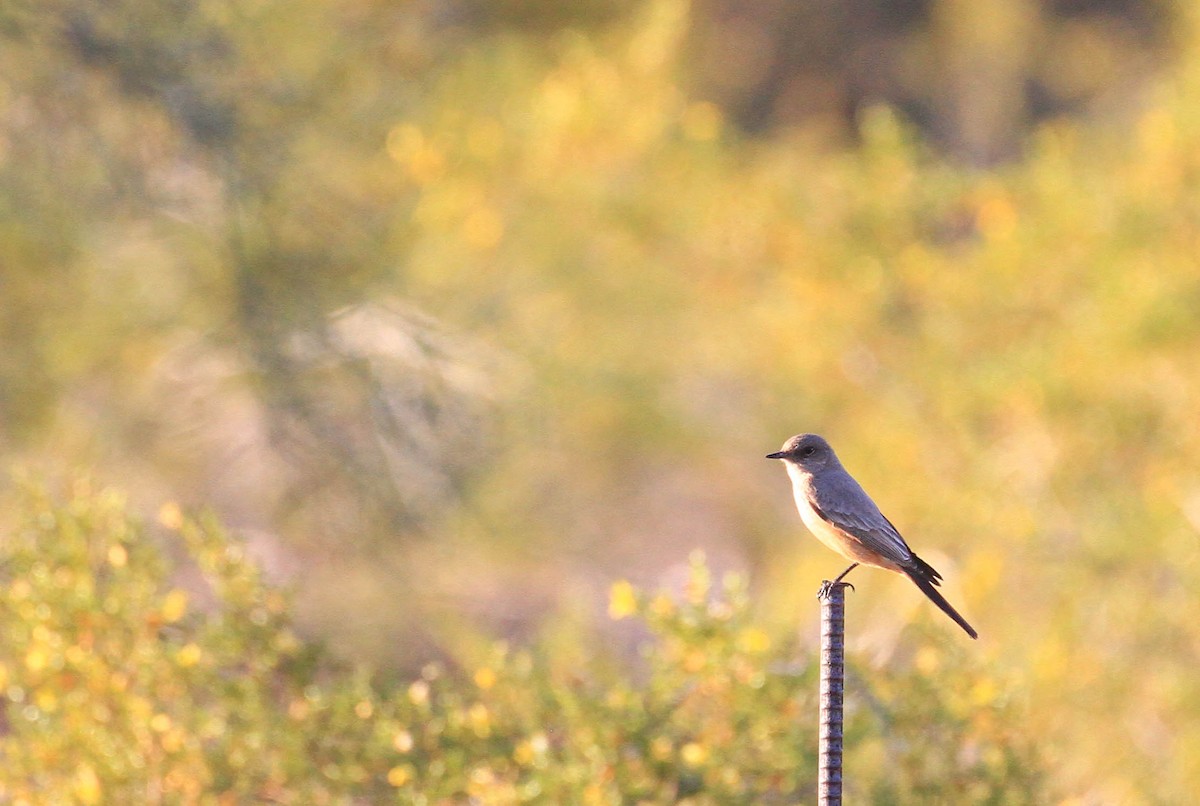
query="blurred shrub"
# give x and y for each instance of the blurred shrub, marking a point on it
(120, 686)
(975, 76)
(1009, 357)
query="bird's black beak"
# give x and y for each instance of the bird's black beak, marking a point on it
(776, 455)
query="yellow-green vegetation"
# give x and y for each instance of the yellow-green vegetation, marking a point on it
(131, 679)
(612, 305)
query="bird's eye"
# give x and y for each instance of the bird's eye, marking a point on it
(807, 450)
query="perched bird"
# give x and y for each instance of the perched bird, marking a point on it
(840, 514)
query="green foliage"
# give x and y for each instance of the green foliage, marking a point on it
(1007, 358)
(127, 679)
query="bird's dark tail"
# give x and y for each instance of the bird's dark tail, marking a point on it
(926, 578)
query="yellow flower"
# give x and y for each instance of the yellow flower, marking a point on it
(87, 785)
(363, 709)
(693, 754)
(46, 700)
(482, 775)
(36, 659)
(984, 692)
(170, 516)
(173, 740)
(530, 750)
(402, 741)
(927, 660)
(662, 606)
(418, 692)
(523, 754)
(117, 556)
(174, 606)
(622, 601)
(753, 641)
(399, 775)
(485, 678)
(188, 655)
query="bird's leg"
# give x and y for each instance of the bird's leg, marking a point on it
(823, 591)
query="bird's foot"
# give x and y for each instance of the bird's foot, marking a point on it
(827, 587)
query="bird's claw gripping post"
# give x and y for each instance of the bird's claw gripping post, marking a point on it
(827, 586)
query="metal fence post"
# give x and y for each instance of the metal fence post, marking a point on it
(833, 681)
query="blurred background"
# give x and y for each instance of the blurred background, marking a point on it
(460, 310)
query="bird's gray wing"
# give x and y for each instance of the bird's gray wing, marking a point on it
(841, 501)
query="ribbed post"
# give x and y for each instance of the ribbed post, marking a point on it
(833, 681)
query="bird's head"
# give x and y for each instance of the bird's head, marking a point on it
(807, 451)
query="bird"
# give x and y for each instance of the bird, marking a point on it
(840, 514)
